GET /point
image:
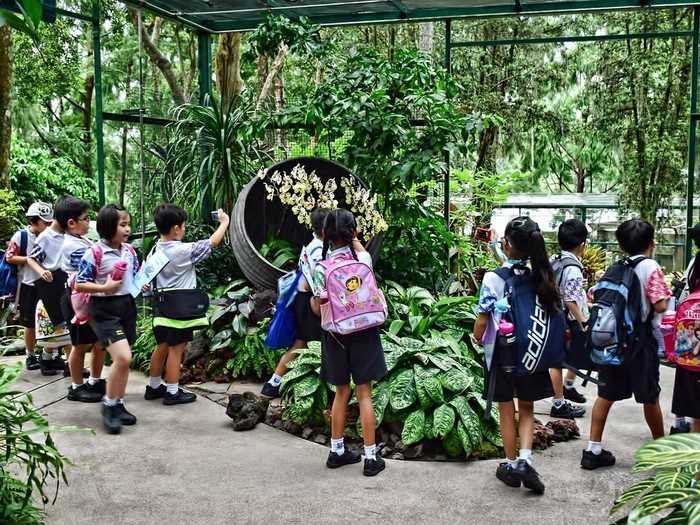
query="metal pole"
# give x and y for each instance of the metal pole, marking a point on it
(99, 130)
(448, 68)
(692, 130)
(142, 160)
(204, 65)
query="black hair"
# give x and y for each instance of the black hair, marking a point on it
(318, 218)
(67, 208)
(108, 220)
(635, 236)
(339, 230)
(34, 219)
(525, 237)
(168, 215)
(572, 233)
(694, 275)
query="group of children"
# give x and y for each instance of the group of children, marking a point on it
(62, 263)
(560, 284)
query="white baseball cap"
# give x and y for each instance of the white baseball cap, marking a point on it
(41, 210)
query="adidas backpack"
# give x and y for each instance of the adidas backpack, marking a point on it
(686, 332)
(540, 335)
(616, 316)
(351, 301)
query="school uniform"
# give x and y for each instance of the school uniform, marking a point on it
(74, 247)
(48, 252)
(572, 290)
(638, 375)
(113, 317)
(179, 274)
(308, 324)
(359, 355)
(532, 387)
(27, 294)
(686, 386)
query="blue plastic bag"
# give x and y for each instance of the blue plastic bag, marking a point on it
(283, 331)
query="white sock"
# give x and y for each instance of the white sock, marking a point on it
(45, 355)
(110, 402)
(558, 402)
(56, 354)
(75, 385)
(371, 452)
(526, 454)
(512, 462)
(595, 447)
(172, 388)
(275, 380)
(154, 382)
(680, 421)
(92, 380)
(338, 446)
(120, 401)
(569, 383)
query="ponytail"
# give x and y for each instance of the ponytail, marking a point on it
(542, 273)
(339, 230)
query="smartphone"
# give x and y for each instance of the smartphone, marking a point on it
(482, 234)
(215, 216)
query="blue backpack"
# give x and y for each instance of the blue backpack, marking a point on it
(283, 331)
(540, 335)
(8, 271)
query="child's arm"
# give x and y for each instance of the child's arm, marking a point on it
(480, 325)
(661, 306)
(108, 287)
(38, 268)
(17, 260)
(575, 312)
(218, 235)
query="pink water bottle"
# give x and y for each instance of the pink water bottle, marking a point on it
(119, 270)
(506, 346)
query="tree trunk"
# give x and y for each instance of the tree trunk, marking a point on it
(228, 68)
(262, 72)
(274, 70)
(161, 62)
(5, 104)
(279, 106)
(425, 43)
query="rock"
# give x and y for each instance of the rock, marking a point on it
(320, 439)
(414, 451)
(246, 410)
(263, 302)
(397, 455)
(278, 424)
(384, 435)
(543, 437)
(247, 423)
(386, 452)
(306, 433)
(440, 457)
(195, 349)
(400, 446)
(563, 429)
(393, 439)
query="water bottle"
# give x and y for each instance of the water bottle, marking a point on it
(119, 270)
(507, 346)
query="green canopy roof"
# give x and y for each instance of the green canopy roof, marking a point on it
(217, 16)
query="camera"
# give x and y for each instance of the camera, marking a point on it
(482, 234)
(215, 216)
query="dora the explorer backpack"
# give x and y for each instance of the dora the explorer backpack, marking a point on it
(351, 301)
(686, 330)
(540, 334)
(616, 324)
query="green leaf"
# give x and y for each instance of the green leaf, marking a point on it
(469, 419)
(464, 439)
(657, 501)
(380, 400)
(420, 375)
(668, 452)
(428, 432)
(306, 386)
(413, 428)
(452, 444)
(396, 326)
(491, 432)
(455, 380)
(672, 479)
(443, 420)
(637, 490)
(294, 374)
(402, 390)
(300, 410)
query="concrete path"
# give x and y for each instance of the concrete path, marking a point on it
(185, 465)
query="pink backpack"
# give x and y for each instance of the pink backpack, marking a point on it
(351, 301)
(686, 331)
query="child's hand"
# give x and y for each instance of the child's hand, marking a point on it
(146, 287)
(47, 276)
(223, 217)
(111, 286)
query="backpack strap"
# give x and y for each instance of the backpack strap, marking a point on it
(23, 241)
(97, 254)
(564, 265)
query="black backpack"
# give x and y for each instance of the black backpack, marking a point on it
(616, 323)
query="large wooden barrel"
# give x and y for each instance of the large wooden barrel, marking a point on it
(254, 216)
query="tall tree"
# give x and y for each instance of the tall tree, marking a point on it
(5, 104)
(228, 67)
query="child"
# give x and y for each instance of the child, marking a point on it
(522, 241)
(639, 372)
(112, 308)
(45, 259)
(172, 335)
(308, 324)
(82, 336)
(359, 355)
(572, 237)
(40, 216)
(686, 388)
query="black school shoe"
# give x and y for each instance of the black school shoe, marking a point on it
(270, 390)
(126, 417)
(155, 393)
(591, 461)
(180, 398)
(110, 419)
(100, 387)
(567, 411)
(83, 394)
(506, 474)
(373, 466)
(573, 395)
(46, 367)
(340, 460)
(32, 362)
(528, 476)
(683, 428)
